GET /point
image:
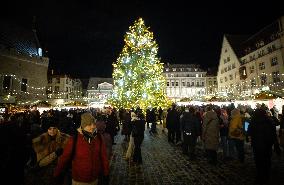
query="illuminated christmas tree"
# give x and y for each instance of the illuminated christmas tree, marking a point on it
(137, 74)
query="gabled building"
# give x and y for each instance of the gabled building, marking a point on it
(250, 64)
(63, 89)
(23, 66)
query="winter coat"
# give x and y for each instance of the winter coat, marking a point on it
(190, 124)
(164, 118)
(173, 120)
(126, 124)
(47, 160)
(262, 131)
(210, 133)
(112, 125)
(138, 128)
(45, 148)
(105, 136)
(90, 159)
(236, 123)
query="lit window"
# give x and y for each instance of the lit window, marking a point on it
(251, 69)
(7, 82)
(274, 61)
(275, 76)
(261, 66)
(24, 85)
(263, 79)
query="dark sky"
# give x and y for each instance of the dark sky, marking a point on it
(84, 37)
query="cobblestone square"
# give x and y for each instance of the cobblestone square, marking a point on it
(164, 164)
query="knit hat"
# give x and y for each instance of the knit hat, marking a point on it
(87, 119)
(50, 122)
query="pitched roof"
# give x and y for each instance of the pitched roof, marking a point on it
(24, 41)
(267, 35)
(244, 44)
(236, 42)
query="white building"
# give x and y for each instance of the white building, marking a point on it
(211, 86)
(187, 81)
(63, 89)
(249, 64)
(99, 90)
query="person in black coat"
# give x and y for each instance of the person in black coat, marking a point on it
(190, 129)
(262, 131)
(112, 126)
(138, 134)
(172, 121)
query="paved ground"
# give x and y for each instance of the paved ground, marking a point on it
(164, 164)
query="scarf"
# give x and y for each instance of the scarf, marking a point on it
(89, 136)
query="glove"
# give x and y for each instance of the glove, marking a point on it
(59, 152)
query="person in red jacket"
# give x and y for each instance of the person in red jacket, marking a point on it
(90, 156)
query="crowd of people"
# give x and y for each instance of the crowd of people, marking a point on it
(228, 128)
(75, 146)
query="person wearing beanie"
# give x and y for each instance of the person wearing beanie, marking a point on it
(46, 150)
(90, 156)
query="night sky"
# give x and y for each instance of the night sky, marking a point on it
(83, 38)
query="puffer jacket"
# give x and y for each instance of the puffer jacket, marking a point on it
(236, 123)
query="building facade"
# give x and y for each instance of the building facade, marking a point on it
(99, 90)
(23, 68)
(63, 89)
(250, 64)
(187, 81)
(211, 86)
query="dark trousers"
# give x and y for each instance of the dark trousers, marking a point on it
(137, 157)
(171, 135)
(211, 156)
(262, 159)
(189, 143)
(240, 149)
(153, 127)
(178, 135)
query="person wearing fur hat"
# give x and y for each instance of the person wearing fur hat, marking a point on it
(47, 149)
(90, 156)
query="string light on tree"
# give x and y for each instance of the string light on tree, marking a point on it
(137, 74)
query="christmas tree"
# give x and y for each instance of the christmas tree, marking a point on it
(137, 74)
